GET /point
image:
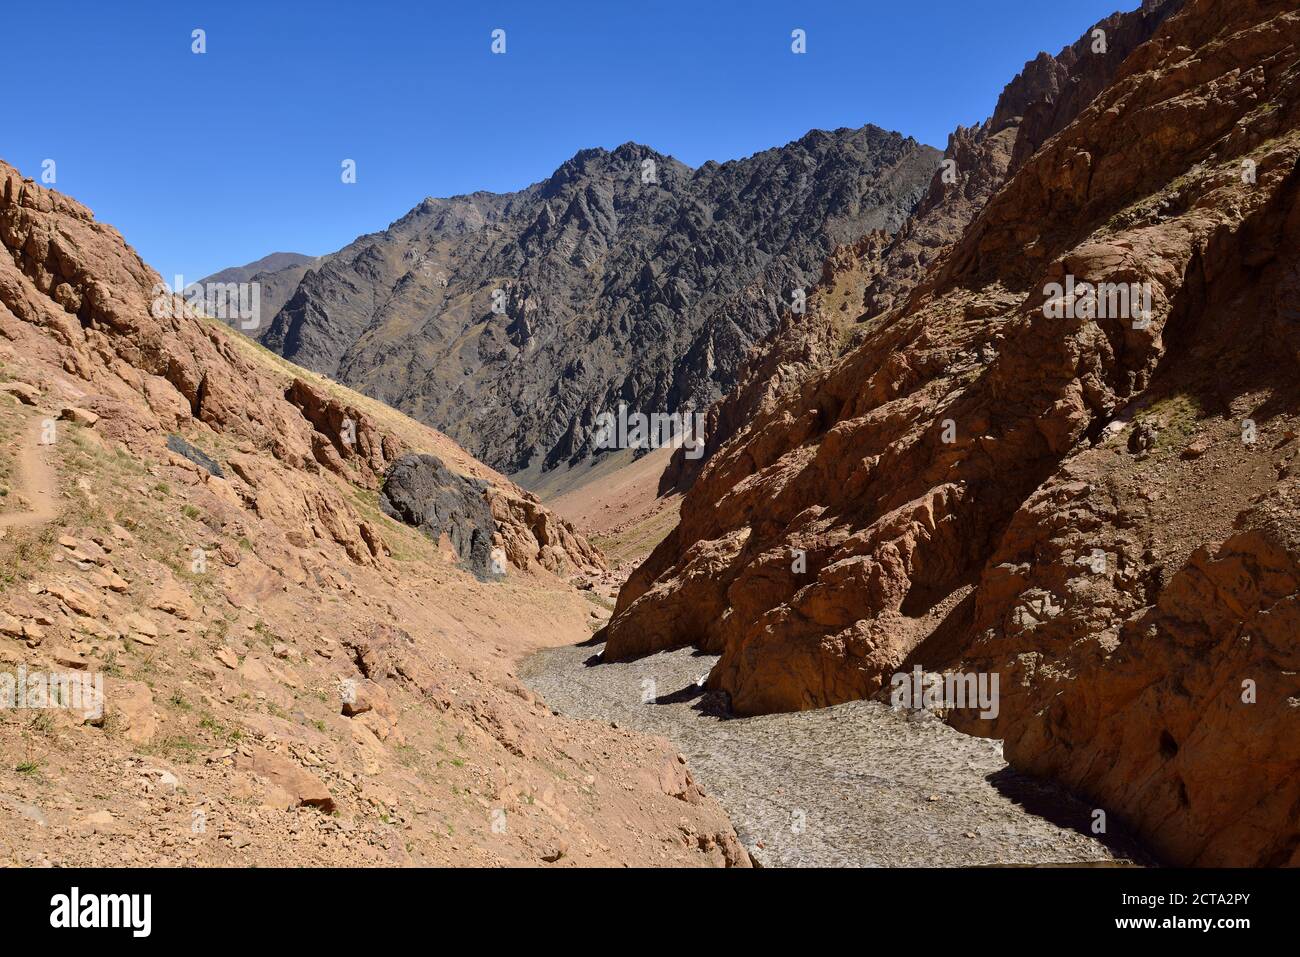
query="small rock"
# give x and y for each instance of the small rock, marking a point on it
(11, 626)
(100, 822)
(79, 416)
(138, 626)
(69, 659)
(24, 393)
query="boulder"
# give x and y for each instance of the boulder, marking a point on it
(289, 784)
(196, 455)
(419, 490)
(79, 416)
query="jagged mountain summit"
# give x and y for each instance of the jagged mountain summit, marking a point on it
(512, 321)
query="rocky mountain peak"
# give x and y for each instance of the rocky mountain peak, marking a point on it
(657, 277)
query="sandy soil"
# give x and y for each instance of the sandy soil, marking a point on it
(36, 484)
(621, 511)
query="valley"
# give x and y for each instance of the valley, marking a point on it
(599, 522)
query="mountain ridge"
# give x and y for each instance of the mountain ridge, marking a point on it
(670, 273)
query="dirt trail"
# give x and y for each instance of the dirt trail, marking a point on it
(853, 785)
(37, 482)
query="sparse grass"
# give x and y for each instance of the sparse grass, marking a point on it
(219, 730)
(1176, 417)
(111, 666)
(598, 600)
(12, 423)
(24, 552)
(176, 747)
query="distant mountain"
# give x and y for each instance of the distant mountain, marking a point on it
(272, 263)
(625, 277)
(276, 275)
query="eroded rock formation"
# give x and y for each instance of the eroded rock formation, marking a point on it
(863, 280)
(942, 493)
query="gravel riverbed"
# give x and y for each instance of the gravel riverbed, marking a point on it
(856, 785)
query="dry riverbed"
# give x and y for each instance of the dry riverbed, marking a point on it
(854, 785)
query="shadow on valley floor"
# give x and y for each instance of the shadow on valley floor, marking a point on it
(855, 785)
(1049, 802)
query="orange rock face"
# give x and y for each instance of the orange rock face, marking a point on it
(994, 479)
(73, 285)
(864, 280)
(290, 669)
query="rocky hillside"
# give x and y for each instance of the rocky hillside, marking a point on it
(1099, 506)
(512, 321)
(288, 674)
(863, 280)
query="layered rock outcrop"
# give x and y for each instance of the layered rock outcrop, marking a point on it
(1091, 499)
(862, 281)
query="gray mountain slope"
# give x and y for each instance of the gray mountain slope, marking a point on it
(510, 321)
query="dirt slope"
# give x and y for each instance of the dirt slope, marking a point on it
(289, 676)
(36, 486)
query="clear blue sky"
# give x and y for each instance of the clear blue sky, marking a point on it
(206, 161)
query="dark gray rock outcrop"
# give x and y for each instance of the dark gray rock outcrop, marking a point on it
(195, 455)
(422, 492)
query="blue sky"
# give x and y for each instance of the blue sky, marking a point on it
(205, 161)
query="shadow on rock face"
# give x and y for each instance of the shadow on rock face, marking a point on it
(422, 492)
